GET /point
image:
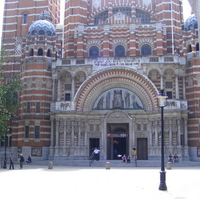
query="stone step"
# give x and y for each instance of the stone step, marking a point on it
(114, 163)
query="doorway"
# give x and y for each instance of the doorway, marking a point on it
(117, 140)
(94, 143)
(142, 148)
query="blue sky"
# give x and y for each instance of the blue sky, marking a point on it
(186, 10)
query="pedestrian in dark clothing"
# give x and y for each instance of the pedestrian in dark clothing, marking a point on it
(11, 161)
(21, 161)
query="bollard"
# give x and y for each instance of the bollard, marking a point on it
(169, 164)
(50, 165)
(107, 165)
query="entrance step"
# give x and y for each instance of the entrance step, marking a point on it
(114, 163)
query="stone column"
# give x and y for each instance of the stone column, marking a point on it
(52, 132)
(72, 134)
(184, 88)
(79, 134)
(65, 137)
(177, 87)
(104, 153)
(156, 133)
(185, 132)
(179, 132)
(86, 134)
(161, 81)
(170, 132)
(150, 124)
(130, 136)
(73, 87)
(53, 90)
(57, 137)
(185, 138)
(134, 136)
(59, 90)
(52, 138)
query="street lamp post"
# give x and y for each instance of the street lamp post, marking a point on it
(161, 100)
(5, 157)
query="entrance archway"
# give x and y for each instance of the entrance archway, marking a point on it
(117, 140)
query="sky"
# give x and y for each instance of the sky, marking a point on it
(186, 11)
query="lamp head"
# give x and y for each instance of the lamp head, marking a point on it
(161, 98)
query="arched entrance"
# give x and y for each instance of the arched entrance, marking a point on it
(117, 140)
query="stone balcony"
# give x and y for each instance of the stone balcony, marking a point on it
(70, 105)
(134, 62)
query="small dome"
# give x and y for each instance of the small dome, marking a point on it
(45, 15)
(191, 23)
(42, 27)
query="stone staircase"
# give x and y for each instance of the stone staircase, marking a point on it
(114, 163)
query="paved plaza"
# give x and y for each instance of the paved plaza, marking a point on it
(95, 183)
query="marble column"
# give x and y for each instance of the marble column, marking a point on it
(65, 137)
(134, 135)
(86, 134)
(177, 87)
(185, 132)
(179, 132)
(170, 132)
(79, 134)
(53, 90)
(72, 134)
(59, 90)
(156, 133)
(184, 88)
(73, 87)
(161, 81)
(57, 137)
(150, 124)
(130, 136)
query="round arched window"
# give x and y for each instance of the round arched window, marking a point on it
(146, 49)
(94, 51)
(119, 51)
(189, 48)
(40, 52)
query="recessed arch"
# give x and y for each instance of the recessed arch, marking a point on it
(94, 52)
(116, 77)
(146, 50)
(40, 52)
(120, 51)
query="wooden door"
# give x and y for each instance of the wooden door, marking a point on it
(142, 149)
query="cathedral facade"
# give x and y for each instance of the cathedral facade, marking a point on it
(94, 81)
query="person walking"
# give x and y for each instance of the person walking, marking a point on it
(96, 154)
(21, 161)
(11, 162)
(134, 152)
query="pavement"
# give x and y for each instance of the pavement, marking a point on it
(98, 183)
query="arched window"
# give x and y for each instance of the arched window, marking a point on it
(93, 51)
(146, 49)
(197, 47)
(189, 48)
(41, 32)
(40, 52)
(119, 51)
(25, 18)
(49, 53)
(31, 52)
